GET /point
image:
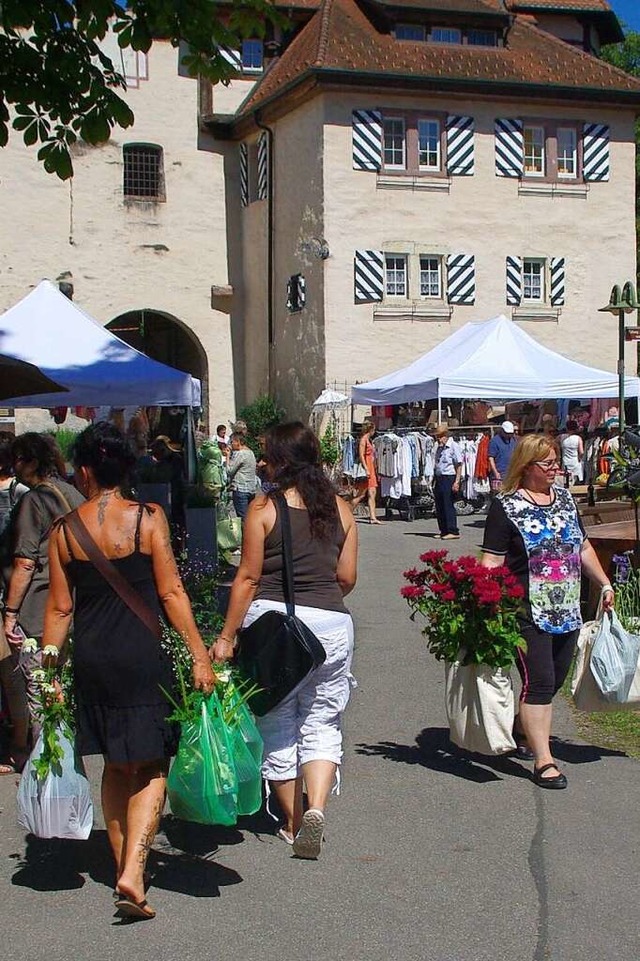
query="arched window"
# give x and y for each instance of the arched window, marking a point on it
(143, 172)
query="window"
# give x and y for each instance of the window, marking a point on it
(445, 35)
(430, 276)
(482, 38)
(143, 172)
(534, 160)
(428, 144)
(252, 55)
(567, 152)
(395, 281)
(410, 31)
(394, 143)
(296, 293)
(533, 285)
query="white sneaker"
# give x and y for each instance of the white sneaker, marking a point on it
(308, 841)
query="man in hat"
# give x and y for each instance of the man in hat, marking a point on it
(501, 448)
(448, 470)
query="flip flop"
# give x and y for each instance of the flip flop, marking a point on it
(139, 910)
(9, 767)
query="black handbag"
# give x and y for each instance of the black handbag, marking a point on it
(278, 651)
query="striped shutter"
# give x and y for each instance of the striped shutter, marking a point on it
(595, 151)
(367, 139)
(461, 279)
(234, 57)
(509, 148)
(302, 291)
(460, 146)
(263, 169)
(244, 175)
(557, 281)
(368, 275)
(514, 281)
(296, 292)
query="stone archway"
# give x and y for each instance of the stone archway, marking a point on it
(163, 337)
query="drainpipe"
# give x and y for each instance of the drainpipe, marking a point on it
(270, 252)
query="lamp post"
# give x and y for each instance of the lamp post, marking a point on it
(622, 302)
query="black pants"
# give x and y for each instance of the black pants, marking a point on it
(443, 497)
(545, 664)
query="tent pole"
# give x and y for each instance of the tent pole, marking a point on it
(439, 406)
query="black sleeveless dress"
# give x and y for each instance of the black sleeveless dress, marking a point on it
(119, 667)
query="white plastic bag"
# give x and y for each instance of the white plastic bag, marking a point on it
(586, 693)
(614, 658)
(480, 707)
(59, 805)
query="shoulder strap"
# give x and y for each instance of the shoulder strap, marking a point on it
(282, 509)
(112, 575)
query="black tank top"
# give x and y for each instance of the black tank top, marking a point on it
(314, 565)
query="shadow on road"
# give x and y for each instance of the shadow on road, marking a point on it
(573, 753)
(59, 865)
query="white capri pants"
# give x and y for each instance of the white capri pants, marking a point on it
(306, 725)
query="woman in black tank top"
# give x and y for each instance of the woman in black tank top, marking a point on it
(302, 734)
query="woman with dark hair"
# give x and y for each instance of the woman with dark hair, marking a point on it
(302, 735)
(36, 462)
(11, 490)
(119, 665)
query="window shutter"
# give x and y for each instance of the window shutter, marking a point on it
(301, 291)
(368, 275)
(296, 293)
(244, 175)
(263, 168)
(234, 57)
(595, 151)
(461, 279)
(367, 139)
(460, 146)
(509, 148)
(514, 281)
(557, 281)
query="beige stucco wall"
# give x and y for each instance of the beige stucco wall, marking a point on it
(482, 215)
(116, 251)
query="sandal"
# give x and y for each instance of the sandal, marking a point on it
(557, 783)
(137, 910)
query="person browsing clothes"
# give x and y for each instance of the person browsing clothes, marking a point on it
(302, 735)
(447, 473)
(534, 528)
(501, 448)
(241, 472)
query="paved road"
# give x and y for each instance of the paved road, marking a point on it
(430, 855)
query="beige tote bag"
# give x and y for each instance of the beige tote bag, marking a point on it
(480, 707)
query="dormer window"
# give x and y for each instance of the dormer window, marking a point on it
(482, 38)
(445, 35)
(252, 55)
(410, 31)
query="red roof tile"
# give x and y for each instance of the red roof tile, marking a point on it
(600, 6)
(340, 37)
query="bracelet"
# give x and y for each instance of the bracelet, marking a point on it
(605, 588)
(223, 637)
(12, 610)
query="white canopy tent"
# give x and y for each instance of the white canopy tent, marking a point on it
(95, 366)
(491, 359)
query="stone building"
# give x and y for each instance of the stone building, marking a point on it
(377, 175)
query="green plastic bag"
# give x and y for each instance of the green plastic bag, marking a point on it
(229, 533)
(202, 784)
(247, 747)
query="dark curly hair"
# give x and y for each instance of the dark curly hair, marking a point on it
(42, 449)
(6, 460)
(106, 450)
(292, 452)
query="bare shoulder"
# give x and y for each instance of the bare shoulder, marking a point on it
(262, 510)
(344, 513)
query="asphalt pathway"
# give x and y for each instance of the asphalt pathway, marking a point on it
(431, 854)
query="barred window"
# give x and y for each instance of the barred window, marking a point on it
(396, 275)
(143, 172)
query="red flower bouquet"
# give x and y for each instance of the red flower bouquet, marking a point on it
(470, 610)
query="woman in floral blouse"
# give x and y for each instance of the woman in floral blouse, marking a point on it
(534, 528)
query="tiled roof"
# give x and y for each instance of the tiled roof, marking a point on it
(340, 38)
(449, 6)
(599, 6)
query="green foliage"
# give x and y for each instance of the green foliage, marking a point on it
(65, 439)
(329, 447)
(62, 87)
(260, 414)
(55, 712)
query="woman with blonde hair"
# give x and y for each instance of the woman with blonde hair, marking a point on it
(534, 528)
(366, 456)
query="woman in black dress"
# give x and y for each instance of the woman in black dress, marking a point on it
(119, 665)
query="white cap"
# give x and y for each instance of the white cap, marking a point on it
(507, 427)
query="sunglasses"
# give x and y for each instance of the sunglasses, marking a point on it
(547, 464)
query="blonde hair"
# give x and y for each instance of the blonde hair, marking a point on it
(532, 448)
(367, 426)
